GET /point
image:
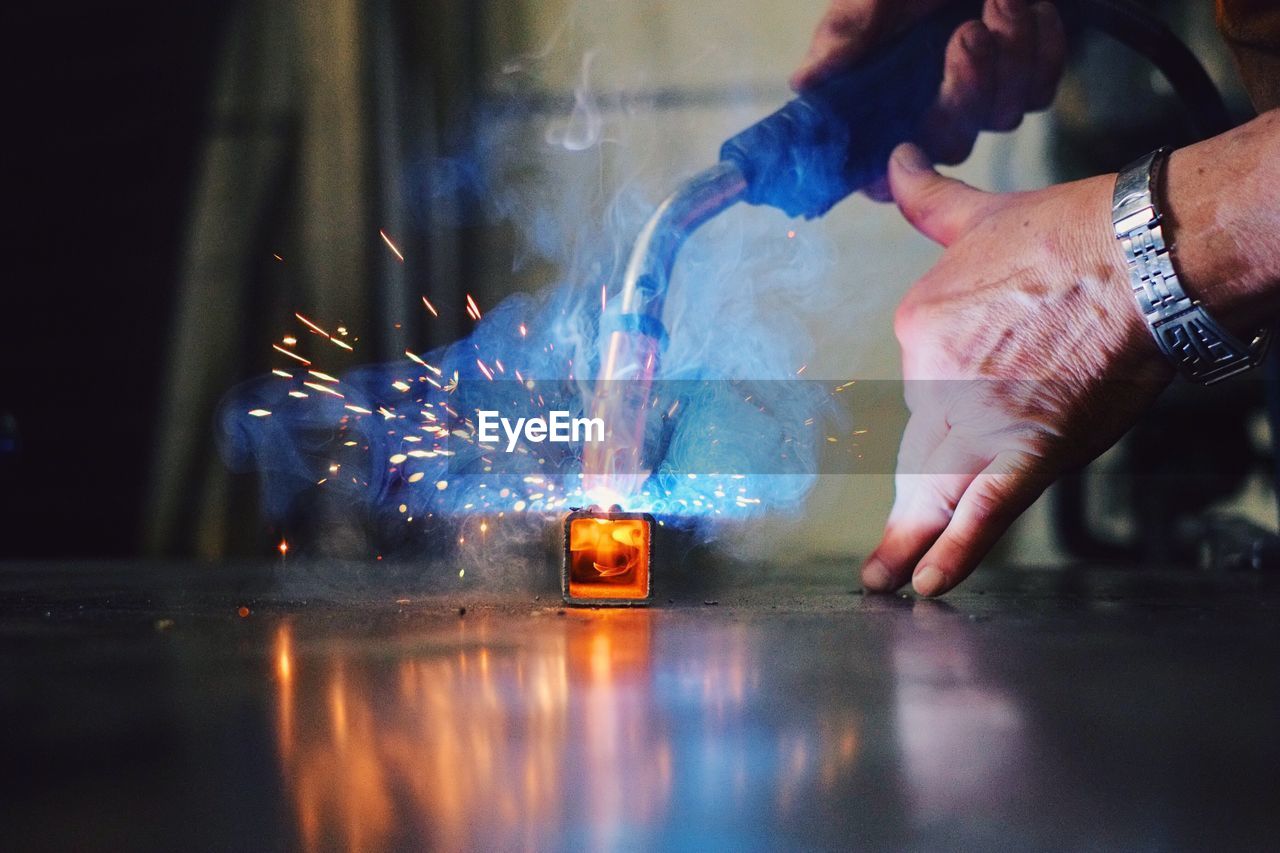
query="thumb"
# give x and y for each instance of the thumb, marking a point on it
(940, 208)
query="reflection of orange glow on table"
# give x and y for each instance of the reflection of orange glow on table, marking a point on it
(607, 557)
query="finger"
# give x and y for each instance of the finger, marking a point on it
(845, 32)
(940, 208)
(1051, 58)
(925, 499)
(992, 501)
(920, 440)
(1013, 28)
(921, 437)
(964, 99)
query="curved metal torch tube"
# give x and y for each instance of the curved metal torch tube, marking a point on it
(644, 284)
(632, 333)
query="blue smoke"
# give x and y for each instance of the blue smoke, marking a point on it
(732, 433)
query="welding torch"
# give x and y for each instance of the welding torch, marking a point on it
(833, 140)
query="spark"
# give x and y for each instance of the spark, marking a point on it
(284, 547)
(802, 369)
(390, 245)
(472, 308)
(301, 395)
(400, 385)
(430, 307)
(292, 355)
(277, 257)
(337, 343)
(414, 358)
(310, 325)
(791, 235)
(323, 376)
(524, 330)
(283, 373)
(260, 413)
(323, 389)
(442, 484)
(359, 411)
(413, 478)
(604, 298)
(289, 340)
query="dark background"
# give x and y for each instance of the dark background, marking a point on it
(106, 104)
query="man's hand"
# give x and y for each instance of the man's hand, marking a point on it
(998, 68)
(1024, 354)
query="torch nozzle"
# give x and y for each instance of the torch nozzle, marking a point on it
(632, 334)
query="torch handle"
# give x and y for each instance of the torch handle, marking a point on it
(836, 138)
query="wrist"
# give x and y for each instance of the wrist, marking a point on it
(1221, 217)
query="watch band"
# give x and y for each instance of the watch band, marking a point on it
(1190, 338)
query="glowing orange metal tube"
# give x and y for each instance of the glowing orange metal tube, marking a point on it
(607, 557)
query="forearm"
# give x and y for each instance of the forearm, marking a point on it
(1222, 202)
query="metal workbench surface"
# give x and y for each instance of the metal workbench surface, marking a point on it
(173, 706)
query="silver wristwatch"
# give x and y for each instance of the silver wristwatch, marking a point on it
(1201, 349)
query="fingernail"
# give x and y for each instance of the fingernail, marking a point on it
(929, 582)
(876, 577)
(911, 159)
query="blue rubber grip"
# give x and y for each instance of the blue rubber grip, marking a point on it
(836, 139)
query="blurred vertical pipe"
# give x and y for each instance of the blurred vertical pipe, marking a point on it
(435, 84)
(471, 235)
(335, 162)
(290, 115)
(250, 136)
(391, 292)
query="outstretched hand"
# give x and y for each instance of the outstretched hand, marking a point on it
(1023, 353)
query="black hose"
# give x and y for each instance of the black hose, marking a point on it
(1133, 26)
